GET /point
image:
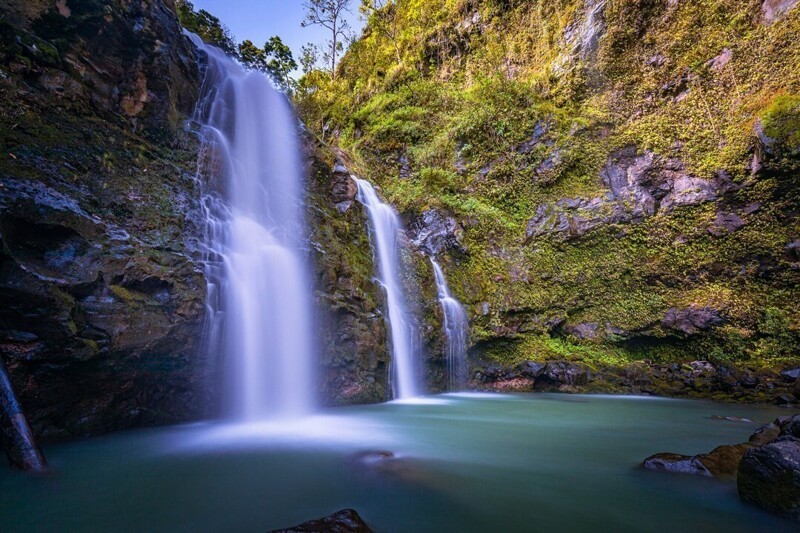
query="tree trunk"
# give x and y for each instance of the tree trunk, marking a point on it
(17, 438)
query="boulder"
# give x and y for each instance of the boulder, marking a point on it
(691, 320)
(345, 521)
(791, 374)
(721, 462)
(676, 463)
(769, 476)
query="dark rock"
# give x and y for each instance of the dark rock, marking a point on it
(769, 476)
(793, 250)
(434, 232)
(691, 320)
(790, 375)
(584, 330)
(726, 223)
(765, 434)
(345, 521)
(785, 399)
(721, 462)
(565, 373)
(676, 463)
(532, 369)
(343, 187)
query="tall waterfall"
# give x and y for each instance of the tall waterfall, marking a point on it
(385, 229)
(259, 292)
(456, 329)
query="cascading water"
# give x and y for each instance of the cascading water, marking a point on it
(259, 294)
(456, 329)
(385, 229)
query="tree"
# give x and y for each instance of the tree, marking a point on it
(330, 15)
(251, 56)
(309, 57)
(206, 26)
(280, 62)
(382, 17)
(275, 59)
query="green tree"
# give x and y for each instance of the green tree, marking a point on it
(251, 56)
(383, 18)
(280, 62)
(309, 57)
(206, 26)
(330, 15)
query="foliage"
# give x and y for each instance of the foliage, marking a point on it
(490, 109)
(275, 59)
(206, 26)
(330, 15)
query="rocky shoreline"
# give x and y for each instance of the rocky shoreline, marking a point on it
(695, 379)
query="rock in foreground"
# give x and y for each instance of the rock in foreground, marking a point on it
(345, 521)
(769, 477)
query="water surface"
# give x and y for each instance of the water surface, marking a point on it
(465, 463)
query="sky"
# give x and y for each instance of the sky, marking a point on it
(258, 20)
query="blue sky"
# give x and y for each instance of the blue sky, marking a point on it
(258, 20)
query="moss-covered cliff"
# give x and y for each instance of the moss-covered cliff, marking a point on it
(607, 180)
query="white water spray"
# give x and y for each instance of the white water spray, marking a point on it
(385, 231)
(259, 294)
(456, 329)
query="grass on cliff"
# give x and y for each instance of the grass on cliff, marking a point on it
(450, 96)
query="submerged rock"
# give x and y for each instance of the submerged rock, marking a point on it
(721, 462)
(345, 521)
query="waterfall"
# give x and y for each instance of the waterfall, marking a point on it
(385, 230)
(456, 329)
(259, 291)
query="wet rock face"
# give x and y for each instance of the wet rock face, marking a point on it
(434, 232)
(352, 331)
(101, 289)
(640, 185)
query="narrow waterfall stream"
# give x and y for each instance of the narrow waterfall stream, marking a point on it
(259, 294)
(456, 329)
(385, 228)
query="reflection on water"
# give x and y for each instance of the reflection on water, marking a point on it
(461, 463)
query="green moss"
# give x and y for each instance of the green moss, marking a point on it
(472, 116)
(781, 120)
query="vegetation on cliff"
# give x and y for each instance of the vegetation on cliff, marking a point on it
(623, 173)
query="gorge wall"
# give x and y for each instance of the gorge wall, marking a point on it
(605, 182)
(101, 275)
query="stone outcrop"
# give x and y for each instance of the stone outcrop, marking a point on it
(354, 366)
(696, 379)
(434, 232)
(640, 185)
